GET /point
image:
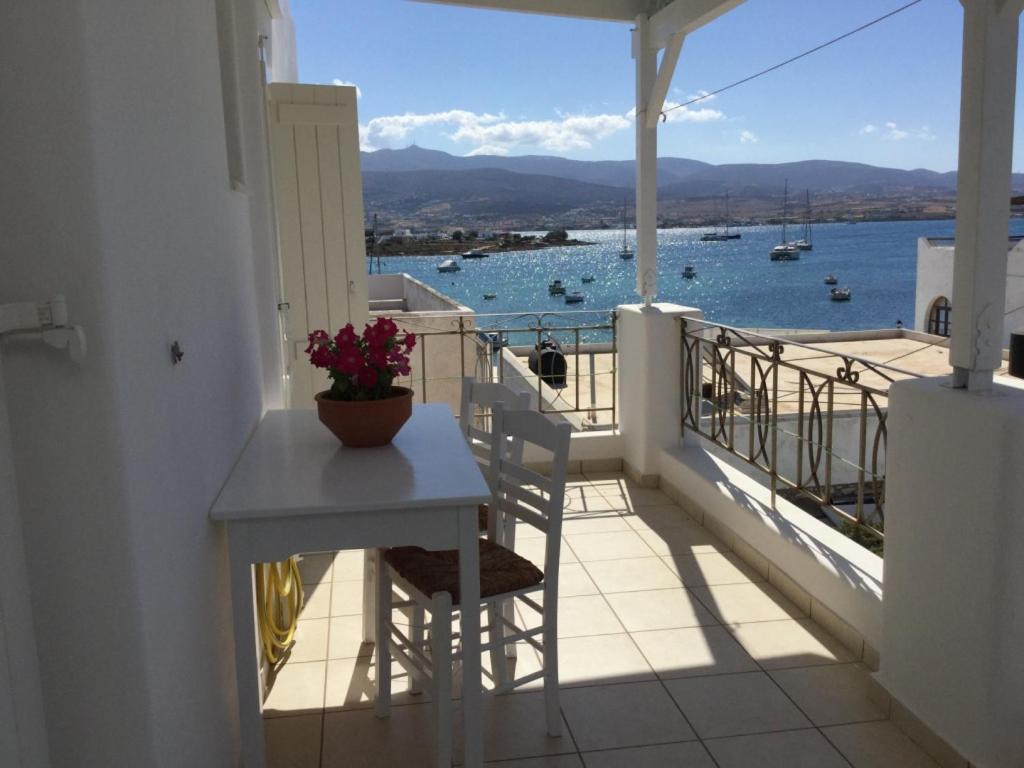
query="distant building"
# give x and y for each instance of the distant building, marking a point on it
(933, 304)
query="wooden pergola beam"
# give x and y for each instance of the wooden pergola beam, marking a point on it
(600, 10)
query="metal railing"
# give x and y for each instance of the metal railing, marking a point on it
(496, 347)
(813, 419)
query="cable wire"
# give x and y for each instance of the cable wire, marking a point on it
(782, 64)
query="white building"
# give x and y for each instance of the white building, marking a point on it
(136, 182)
(933, 308)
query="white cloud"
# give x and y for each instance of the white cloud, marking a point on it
(381, 131)
(748, 137)
(337, 81)
(890, 131)
(690, 114)
(488, 149)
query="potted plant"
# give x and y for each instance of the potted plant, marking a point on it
(363, 407)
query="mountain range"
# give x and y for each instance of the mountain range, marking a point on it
(418, 187)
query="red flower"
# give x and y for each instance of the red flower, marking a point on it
(346, 336)
(403, 369)
(387, 327)
(367, 376)
(317, 337)
(378, 357)
(349, 360)
(410, 340)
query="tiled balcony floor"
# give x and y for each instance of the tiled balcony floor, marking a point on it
(672, 652)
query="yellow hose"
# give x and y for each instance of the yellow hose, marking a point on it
(279, 599)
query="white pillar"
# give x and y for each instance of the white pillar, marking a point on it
(646, 56)
(987, 95)
(650, 388)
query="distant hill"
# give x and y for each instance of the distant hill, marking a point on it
(425, 186)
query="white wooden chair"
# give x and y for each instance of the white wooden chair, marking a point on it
(431, 580)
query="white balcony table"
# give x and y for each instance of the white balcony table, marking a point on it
(295, 488)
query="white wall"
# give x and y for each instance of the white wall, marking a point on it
(116, 193)
(935, 278)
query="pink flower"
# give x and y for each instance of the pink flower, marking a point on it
(367, 376)
(317, 337)
(387, 326)
(410, 340)
(403, 369)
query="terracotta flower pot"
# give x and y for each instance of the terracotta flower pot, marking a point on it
(365, 423)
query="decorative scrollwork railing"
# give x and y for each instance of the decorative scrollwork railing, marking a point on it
(494, 347)
(811, 418)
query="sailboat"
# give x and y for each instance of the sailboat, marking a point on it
(805, 243)
(716, 236)
(785, 251)
(625, 252)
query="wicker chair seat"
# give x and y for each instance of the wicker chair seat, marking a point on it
(501, 570)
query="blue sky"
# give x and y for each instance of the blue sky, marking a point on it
(465, 80)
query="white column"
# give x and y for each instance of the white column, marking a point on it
(650, 384)
(987, 95)
(646, 56)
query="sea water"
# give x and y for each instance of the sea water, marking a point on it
(736, 283)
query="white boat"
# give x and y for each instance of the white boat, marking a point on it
(625, 252)
(806, 243)
(448, 265)
(785, 251)
(476, 253)
(575, 297)
(831, 279)
(840, 294)
(556, 288)
(719, 237)
(689, 272)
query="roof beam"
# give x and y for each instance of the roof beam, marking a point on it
(602, 10)
(665, 71)
(685, 16)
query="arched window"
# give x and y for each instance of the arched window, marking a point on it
(938, 317)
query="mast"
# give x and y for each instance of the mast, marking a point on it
(623, 223)
(807, 221)
(785, 209)
(726, 213)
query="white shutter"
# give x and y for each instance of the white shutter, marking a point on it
(314, 141)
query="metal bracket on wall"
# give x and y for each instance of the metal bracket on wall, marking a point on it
(47, 322)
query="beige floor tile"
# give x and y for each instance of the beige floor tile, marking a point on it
(346, 638)
(351, 684)
(315, 567)
(316, 601)
(348, 565)
(573, 581)
(686, 755)
(608, 546)
(658, 518)
(659, 609)
(877, 745)
(595, 503)
(577, 616)
(310, 641)
(791, 749)
(347, 598)
(790, 643)
(514, 727)
(296, 688)
(632, 575)
(601, 659)
(733, 705)
(831, 695)
(594, 522)
(533, 550)
(630, 715)
(552, 761)
(357, 739)
(739, 603)
(693, 651)
(646, 497)
(711, 568)
(682, 540)
(293, 742)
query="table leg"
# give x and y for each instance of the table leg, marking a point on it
(469, 586)
(370, 566)
(250, 715)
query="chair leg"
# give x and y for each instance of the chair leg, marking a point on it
(551, 703)
(496, 638)
(416, 635)
(383, 614)
(441, 666)
(509, 606)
